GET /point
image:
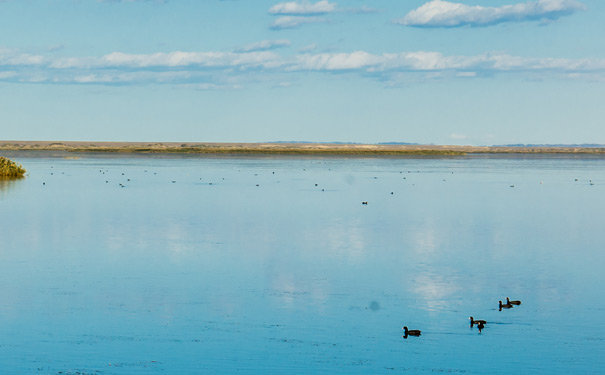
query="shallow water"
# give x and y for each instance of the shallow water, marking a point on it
(274, 265)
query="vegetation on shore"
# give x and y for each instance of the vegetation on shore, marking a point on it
(10, 169)
(280, 148)
(268, 151)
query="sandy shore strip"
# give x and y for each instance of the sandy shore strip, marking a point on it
(289, 148)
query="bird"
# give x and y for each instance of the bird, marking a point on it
(410, 332)
(480, 326)
(512, 302)
(505, 306)
(478, 321)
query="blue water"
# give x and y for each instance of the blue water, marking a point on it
(272, 265)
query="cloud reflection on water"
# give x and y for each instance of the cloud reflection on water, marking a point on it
(345, 241)
(436, 291)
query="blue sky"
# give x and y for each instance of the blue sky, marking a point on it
(445, 72)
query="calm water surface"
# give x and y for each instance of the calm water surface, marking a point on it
(115, 264)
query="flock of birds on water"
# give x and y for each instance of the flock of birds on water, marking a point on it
(480, 323)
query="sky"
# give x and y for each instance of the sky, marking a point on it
(460, 72)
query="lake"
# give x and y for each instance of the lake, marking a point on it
(144, 264)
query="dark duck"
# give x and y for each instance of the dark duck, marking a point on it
(478, 321)
(512, 302)
(410, 332)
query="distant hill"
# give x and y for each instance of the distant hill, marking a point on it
(565, 145)
(315, 143)
(297, 148)
(345, 143)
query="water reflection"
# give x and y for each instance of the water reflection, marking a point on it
(8, 184)
(345, 241)
(287, 278)
(436, 291)
(425, 240)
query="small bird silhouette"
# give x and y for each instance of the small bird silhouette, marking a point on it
(505, 306)
(512, 302)
(478, 321)
(480, 326)
(410, 332)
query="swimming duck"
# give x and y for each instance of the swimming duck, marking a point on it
(505, 306)
(410, 332)
(479, 321)
(480, 326)
(512, 302)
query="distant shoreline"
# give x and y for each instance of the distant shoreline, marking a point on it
(288, 148)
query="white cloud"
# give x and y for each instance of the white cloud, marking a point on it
(437, 65)
(440, 13)
(7, 74)
(265, 45)
(131, 1)
(336, 61)
(290, 22)
(129, 77)
(233, 69)
(13, 57)
(172, 60)
(303, 8)
(296, 13)
(415, 61)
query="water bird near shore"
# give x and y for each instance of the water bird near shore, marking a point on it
(512, 302)
(478, 321)
(364, 203)
(505, 306)
(410, 332)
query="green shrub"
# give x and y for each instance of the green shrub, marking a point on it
(10, 169)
